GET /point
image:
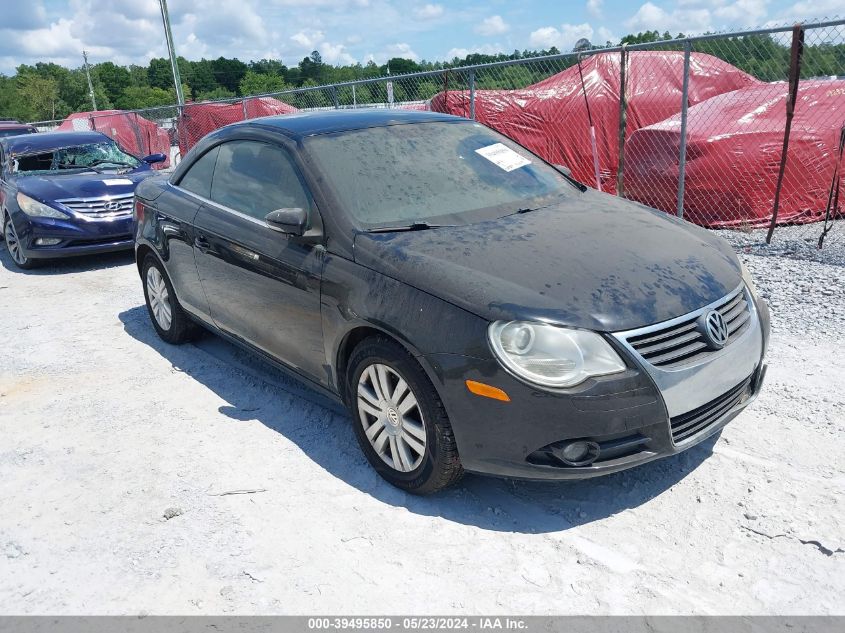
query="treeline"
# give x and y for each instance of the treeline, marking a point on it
(48, 91)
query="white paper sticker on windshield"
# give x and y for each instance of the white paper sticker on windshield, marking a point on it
(117, 181)
(503, 156)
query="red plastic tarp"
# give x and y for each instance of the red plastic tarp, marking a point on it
(199, 119)
(550, 117)
(733, 156)
(134, 133)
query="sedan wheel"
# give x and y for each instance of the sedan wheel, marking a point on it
(391, 417)
(14, 245)
(170, 321)
(159, 298)
(400, 421)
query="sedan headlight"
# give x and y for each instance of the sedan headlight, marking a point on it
(552, 356)
(36, 209)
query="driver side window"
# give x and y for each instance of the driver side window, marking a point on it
(255, 178)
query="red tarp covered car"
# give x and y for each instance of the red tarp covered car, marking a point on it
(134, 133)
(550, 117)
(198, 119)
(733, 156)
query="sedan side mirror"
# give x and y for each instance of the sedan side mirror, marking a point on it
(289, 221)
(154, 158)
(564, 170)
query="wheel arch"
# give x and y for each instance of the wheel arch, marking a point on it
(141, 252)
(354, 337)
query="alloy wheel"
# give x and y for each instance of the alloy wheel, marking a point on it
(12, 243)
(391, 417)
(159, 298)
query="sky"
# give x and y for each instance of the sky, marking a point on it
(349, 31)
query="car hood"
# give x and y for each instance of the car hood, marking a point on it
(593, 261)
(58, 187)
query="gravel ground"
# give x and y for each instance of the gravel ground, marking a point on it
(137, 477)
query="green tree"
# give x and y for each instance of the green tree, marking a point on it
(228, 72)
(135, 97)
(40, 96)
(213, 95)
(115, 79)
(255, 83)
(201, 78)
(159, 73)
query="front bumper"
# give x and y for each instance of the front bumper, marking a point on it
(78, 237)
(626, 415)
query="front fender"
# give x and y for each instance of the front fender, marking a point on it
(354, 297)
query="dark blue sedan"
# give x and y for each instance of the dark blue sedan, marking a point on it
(67, 193)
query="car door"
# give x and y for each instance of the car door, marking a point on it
(175, 210)
(263, 287)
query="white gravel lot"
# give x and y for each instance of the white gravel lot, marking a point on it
(105, 431)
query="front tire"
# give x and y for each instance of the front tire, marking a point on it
(170, 321)
(13, 245)
(400, 421)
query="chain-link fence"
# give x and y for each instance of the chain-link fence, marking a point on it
(694, 127)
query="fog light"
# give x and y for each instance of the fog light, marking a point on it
(578, 453)
(47, 241)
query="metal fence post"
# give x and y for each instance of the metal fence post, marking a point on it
(472, 95)
(243, 107)
(334, 98)
(682, 156)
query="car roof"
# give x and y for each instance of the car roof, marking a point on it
(46, 141)
(326, 122)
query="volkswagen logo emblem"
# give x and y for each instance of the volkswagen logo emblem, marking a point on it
(112, 205)
(715, 329)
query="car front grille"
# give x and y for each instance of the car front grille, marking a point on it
(683, 342)
(691, 423)
(101, 207)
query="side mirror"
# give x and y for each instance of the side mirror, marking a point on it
(154, 158)
(564, 170)
(289, 221)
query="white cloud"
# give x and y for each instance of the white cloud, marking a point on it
(650, 17)
(494, 25)
(563, 38)
(813, 9)
(594, 8)
(428, 12)
(335, 54)
(604, 35)
(400, 49)
(308, 39)
(747, 12)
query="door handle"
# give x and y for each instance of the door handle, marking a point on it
(201, 243)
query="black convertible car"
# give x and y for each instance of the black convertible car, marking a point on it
(474, 307)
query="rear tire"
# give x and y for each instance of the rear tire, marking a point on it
(399, 419)
(170, 321)
(13, 245)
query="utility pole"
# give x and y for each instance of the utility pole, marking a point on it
(177, 80)
(90, 85)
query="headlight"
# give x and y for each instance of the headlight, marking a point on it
(36, 209)
(552, 356)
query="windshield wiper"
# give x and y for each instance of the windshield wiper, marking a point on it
(71, 166)
(414, 226)
(100, 161)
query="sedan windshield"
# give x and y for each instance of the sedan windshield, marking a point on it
(433, 173)
(90, 157)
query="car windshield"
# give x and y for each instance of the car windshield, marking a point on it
(89, 157)
(433, 173)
